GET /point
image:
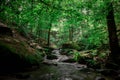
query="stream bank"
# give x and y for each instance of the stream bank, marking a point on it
(56, 70)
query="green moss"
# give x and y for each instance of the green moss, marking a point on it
(34, 58)
(18, 53)
(70, 46)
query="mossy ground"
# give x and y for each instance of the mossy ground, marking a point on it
(15, 53)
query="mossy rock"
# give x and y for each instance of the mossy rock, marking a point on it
(70, 46)
(17, 54)
(51, 57)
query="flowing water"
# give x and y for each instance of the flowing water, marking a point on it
(56, 70)
(61, 71)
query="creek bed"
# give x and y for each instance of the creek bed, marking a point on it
(60, 71)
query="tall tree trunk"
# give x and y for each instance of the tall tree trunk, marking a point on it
(49, 30)
(113, 39)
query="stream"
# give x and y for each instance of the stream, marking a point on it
(57, 70)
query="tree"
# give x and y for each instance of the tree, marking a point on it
(113, 39)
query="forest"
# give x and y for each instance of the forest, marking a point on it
(59, 39)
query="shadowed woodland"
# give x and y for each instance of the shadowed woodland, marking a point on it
(60, 39)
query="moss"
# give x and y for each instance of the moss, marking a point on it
(70, 46)
(34, 58)
(18, 54)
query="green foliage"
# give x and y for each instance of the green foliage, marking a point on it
(92, 63)
(92, 58)
(76, 55)
(35, 58)
(71, 20)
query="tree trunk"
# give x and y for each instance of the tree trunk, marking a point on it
(113, 39)
(49, 30)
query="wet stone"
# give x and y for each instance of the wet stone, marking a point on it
(100, 78)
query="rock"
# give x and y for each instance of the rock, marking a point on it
(47, 62)
(117, 77)
(22, 76)
(5, 31)
(70, 60)
(70, 45)
(67, 52)
(51, 57)
(15, 53)
(56, 51)
(108, 72)
(87, 70)
(99, 78)
(62, 58)
(66, 78)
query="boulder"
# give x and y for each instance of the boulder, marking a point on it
(70, 46)
(5, 31)
(100, 78)
(15, 52)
